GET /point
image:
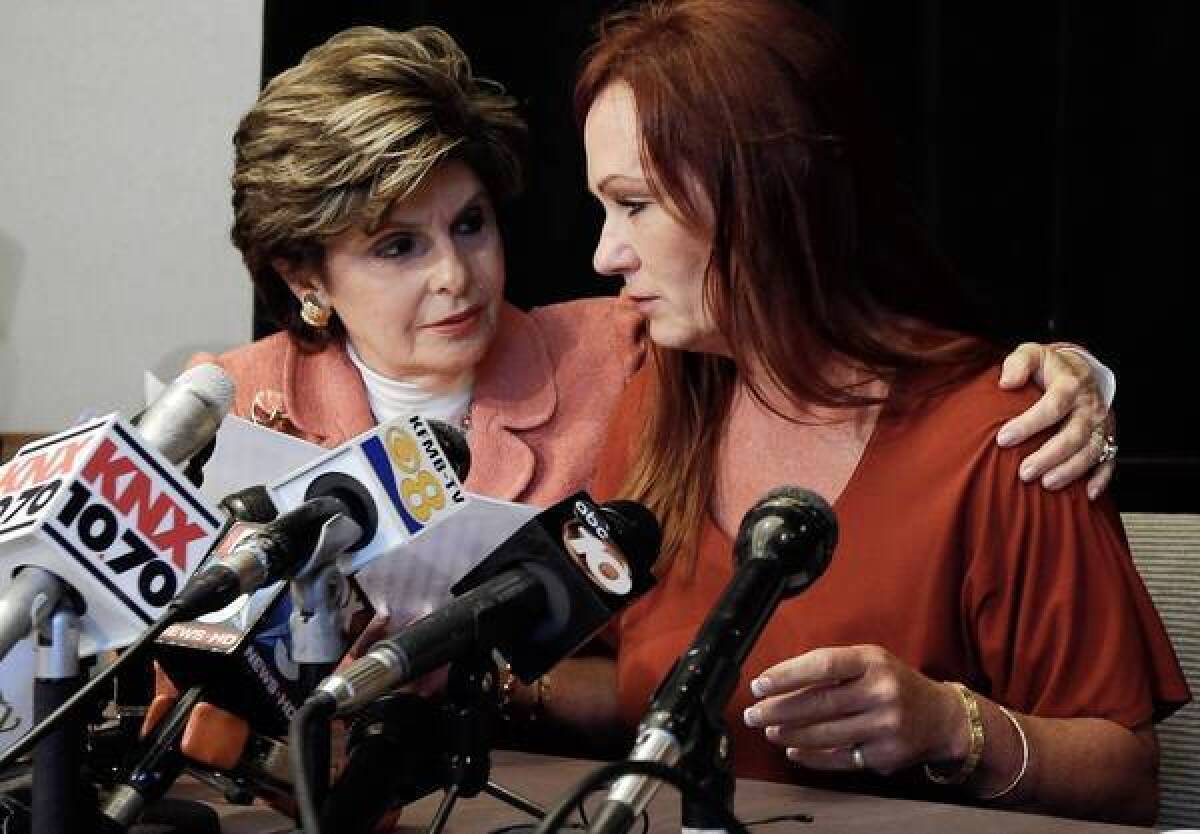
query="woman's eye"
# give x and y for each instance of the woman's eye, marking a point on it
(470, 221)
(395, 247)
(632, 207)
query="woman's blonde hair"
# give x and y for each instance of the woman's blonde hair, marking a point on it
(360, 123)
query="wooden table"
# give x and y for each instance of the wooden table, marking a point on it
(546, 779)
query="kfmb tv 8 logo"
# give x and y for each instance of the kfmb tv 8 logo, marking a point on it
(414, 471)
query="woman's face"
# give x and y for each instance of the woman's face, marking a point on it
(662, 261)
(420, 296)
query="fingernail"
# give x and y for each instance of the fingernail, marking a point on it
(1052, 481)
(752, 716)
(1092, 492)
(773, 732)
(761, 686)
(793, 753)
(1027, 472)
(1005, 437)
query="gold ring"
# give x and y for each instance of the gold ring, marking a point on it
(1107, 445)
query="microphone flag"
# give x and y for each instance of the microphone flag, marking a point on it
(107, 513)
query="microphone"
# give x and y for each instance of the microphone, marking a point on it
(340, 512)
(279, 550)
(252, 504)
(245, 655)
(186, 415)
(540, 596)
(101, 510)
(158, 764)
(784, 544)
(398, 480)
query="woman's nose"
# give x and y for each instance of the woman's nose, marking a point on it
(614, 255)
(453, 274)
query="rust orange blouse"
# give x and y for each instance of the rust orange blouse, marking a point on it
(946, 559)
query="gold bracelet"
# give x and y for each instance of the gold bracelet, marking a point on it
(541, 695)
(974, 746)
(506, 686)
(1011, 786)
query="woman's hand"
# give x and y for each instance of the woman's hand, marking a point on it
(1073, 401)
(826, 704)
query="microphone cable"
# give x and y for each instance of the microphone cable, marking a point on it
(307, 733)
(678, 779)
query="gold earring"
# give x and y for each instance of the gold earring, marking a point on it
(313, 312)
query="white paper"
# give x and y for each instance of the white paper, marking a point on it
(415, 579)
(248, 454)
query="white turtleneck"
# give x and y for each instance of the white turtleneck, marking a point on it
(390, 398)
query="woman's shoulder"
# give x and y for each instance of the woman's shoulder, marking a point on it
(972, 400)
(254, 367)
(942, 431)
(603, 333)
(590, 324)
(266, 353)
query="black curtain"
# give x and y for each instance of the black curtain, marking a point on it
(1048, 145)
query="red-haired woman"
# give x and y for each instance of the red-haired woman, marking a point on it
(972, 629)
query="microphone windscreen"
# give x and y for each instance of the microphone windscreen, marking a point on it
(454, 444)
(636, 531)
(252, 504)
(793, 525)
(211, 384)
(187, 414)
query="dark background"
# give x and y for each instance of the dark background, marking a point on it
(1044, 142)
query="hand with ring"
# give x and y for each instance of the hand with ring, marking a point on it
(856, 707)
(1072, 401)
(1106, 443)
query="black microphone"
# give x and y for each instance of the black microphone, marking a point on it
(252, 504)
(785, 542)
(246, 660)
(395, 754)
(454, 443)
(537, 598)
(156, 767)
(278, 551)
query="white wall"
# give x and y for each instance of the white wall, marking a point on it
(115, 155)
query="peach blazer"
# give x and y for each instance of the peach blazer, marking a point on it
(542, 401)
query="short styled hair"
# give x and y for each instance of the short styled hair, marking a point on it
(357, 125)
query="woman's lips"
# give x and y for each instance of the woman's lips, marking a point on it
(644, 303)
(459, 321)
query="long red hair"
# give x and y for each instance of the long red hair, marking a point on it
(815, 254)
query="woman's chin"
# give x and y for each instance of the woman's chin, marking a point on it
(667, 334)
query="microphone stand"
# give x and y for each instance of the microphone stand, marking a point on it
(404, 747)
(709, 761)
(471, 705)
(317, 646)
(58, 793)
(30, 594)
